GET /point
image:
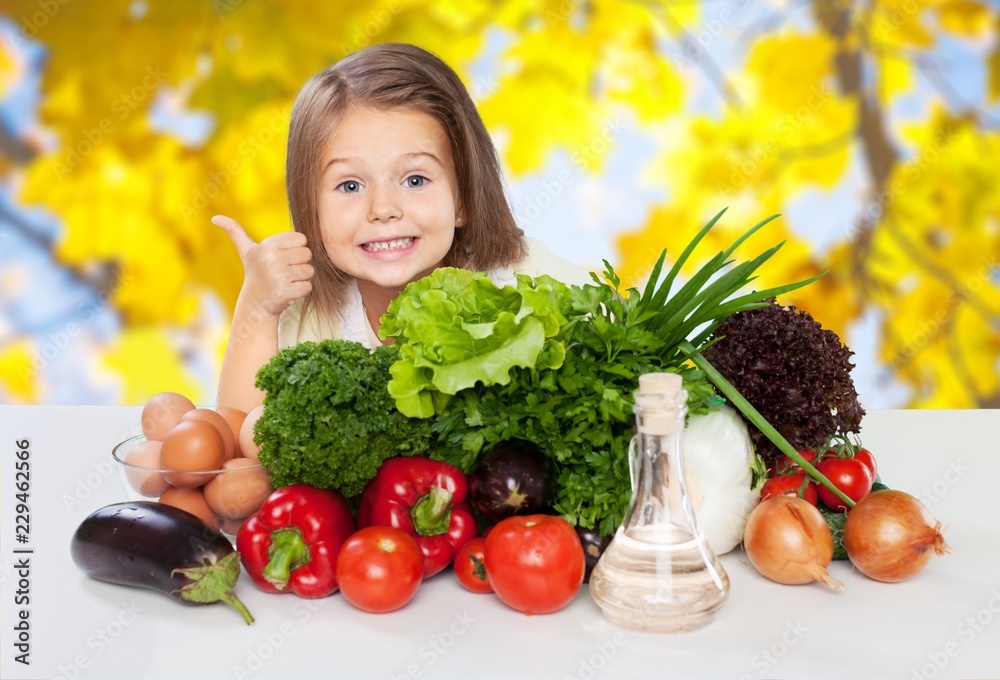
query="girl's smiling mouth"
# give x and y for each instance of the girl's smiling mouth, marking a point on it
(390, 246)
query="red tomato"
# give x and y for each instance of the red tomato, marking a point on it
(470, 567)
(784, 465)
(849, 475)
(379, 569)
(790, 485)
(866, 457)
(535, 562)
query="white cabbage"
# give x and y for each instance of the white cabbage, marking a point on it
(718, 465)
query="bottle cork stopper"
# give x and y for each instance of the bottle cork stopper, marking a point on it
(667, 384)
(657, 396)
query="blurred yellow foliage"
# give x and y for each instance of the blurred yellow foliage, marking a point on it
(17, 375)
(145, 362)
(964, 17)
(7, 68)
(804, 110)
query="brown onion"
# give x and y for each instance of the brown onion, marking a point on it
(890, 536)
(788, 541)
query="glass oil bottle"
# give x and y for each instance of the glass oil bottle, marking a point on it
(659, 573)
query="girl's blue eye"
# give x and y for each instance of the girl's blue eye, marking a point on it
(350, 187)
(416, 181)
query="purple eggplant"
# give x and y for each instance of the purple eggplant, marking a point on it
(512, 478)
(594, 545)
(160, 547)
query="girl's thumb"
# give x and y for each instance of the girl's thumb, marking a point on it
(236, 233)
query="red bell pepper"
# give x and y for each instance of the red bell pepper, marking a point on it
(291, 543)
(425, 498)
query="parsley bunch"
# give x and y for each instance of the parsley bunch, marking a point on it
(328, 419)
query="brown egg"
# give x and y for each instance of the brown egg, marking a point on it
(162, 412)
(239, 489)
(219, 423)
(235, 418)
(146, 454)
(249, 449)
(193, 501)
(192, 445)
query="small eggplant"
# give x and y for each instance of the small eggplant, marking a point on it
(512, 478)
(157, 546)
(594, 545)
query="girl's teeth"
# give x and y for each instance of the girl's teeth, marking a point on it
(388, 245)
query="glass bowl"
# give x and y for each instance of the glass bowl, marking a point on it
(223, 498)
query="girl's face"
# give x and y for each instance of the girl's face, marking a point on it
(388, 201)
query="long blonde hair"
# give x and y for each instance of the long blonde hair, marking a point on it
(399, 76)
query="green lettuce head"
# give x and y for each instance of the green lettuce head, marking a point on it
(457, 328)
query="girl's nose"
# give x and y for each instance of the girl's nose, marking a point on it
(383, 207)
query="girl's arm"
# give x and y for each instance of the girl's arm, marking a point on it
(277, 272)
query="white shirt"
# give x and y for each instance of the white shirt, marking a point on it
(353, 322)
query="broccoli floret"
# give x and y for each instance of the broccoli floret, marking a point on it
(795, 373)
(328, 419)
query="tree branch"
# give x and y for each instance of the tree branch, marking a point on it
(716, 76)
(834, 16)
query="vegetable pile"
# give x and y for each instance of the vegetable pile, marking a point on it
(493, 435)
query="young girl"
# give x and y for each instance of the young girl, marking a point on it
(390, 175)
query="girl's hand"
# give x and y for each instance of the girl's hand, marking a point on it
(276, 271)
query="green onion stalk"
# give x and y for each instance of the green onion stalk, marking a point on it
(704, 302)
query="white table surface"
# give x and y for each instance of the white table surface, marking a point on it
(944, 623)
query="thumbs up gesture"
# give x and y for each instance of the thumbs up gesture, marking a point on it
(276, 271)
